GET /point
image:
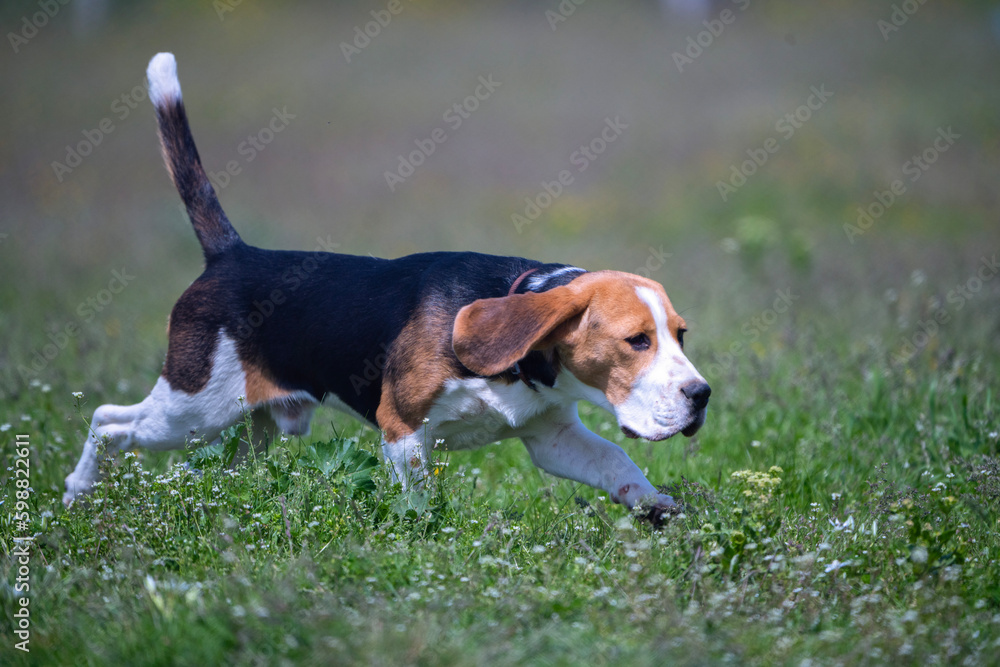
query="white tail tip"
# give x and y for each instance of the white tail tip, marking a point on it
(164, 88)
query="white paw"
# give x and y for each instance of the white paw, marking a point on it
(76, 488)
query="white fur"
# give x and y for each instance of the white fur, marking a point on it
(562, 446)
(169, 419)
(656, 409)
(408, 458)
(164, 88)
(574, 389)
(166, 419)
(474, 412)
(470, 413)
(535, 281)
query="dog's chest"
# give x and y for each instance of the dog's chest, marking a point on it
(474, 412)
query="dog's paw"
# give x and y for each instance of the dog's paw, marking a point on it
(658, 512)
(75, 490)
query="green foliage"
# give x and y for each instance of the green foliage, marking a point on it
(343, 459)
(308, 551)
(826, 514)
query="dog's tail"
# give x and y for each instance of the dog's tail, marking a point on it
(213, 228)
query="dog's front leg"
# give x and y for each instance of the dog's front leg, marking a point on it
(562, 446)
(407, 458)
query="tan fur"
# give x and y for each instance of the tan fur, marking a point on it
(597, 352)
(420, 362)
(491, 335)
(586, 321)
(259, 387)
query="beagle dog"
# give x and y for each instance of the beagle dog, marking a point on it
(449, 349)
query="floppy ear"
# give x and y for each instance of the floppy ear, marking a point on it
(491, 335)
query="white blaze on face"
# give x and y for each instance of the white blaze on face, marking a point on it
(656, 409)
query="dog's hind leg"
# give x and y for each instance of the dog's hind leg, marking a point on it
(289, 416)
(263, 430)
(166, 419)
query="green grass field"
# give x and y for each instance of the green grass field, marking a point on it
(842, 502)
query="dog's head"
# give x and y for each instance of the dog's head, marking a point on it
(616, 334)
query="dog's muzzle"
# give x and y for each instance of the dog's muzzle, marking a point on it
(697, 393)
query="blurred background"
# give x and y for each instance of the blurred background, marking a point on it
(722, 148)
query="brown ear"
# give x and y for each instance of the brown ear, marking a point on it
(491, 335)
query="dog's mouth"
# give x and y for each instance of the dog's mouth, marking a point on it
(697, 421)
(692, 428)
(629, 433)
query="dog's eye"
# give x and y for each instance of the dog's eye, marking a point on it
(680, 337)
(639, 342)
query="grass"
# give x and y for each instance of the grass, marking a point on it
(841, 504)
(841, 516)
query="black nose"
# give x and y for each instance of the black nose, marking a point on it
(698, 392)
